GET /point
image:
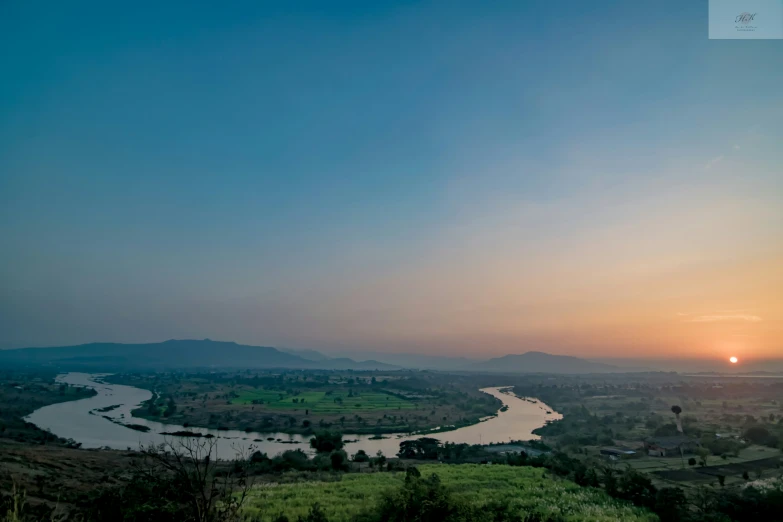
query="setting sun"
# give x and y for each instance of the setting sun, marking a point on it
(733, 360)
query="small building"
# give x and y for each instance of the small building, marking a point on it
(726, 436)
(618, 453)
(670, 446)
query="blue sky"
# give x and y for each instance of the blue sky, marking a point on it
(377, 174)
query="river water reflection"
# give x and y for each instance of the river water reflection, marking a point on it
(74, 420)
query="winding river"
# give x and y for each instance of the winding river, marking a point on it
(80, 421)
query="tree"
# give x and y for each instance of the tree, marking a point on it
(421, 499)
(703, 453)
(637, 488)
(670, 504)
(425, 448)
(758, 435)
(326, 441)
(380, 460)
(176, 481)
(609, 480)
(676, 410)
(691, 461)
(339, 460)
(258, 457)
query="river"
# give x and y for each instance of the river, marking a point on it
(79, 420)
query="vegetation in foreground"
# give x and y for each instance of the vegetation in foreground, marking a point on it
(476, 492)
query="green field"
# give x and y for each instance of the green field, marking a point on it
(749, 454)
(526, 489)
(323, 402)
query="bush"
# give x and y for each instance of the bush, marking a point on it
(420, 499)
(293, 459)
(361, 456)
(316, 514)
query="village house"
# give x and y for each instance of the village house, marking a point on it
(618, 453)
(670, 446)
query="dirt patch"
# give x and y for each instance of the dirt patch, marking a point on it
(59, 476)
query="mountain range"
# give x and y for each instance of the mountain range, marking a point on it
(208, 354)
(179, 354)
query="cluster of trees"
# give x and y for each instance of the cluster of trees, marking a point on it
(427, 448)
(330, 456)
(297, 460)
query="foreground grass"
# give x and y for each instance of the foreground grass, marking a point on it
(526, 489)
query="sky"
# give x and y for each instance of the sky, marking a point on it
(448, 178)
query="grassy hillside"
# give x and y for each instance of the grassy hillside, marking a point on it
(525, 488)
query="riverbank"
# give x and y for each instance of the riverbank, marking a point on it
(21, 393)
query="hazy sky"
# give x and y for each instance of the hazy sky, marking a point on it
(462, 178)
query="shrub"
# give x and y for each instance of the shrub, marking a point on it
(361, 456)
(316, 514)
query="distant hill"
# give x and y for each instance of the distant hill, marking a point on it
(208, 354)
(412, 360)
(344, 363)
(540, 362)
(173, 354)
(310, 355)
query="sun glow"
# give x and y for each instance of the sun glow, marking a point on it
(733, 360)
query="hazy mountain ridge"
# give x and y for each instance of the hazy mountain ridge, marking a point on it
(175, 354)
(412, 360)
(540, 362)
(193, 354)
(310, 355)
